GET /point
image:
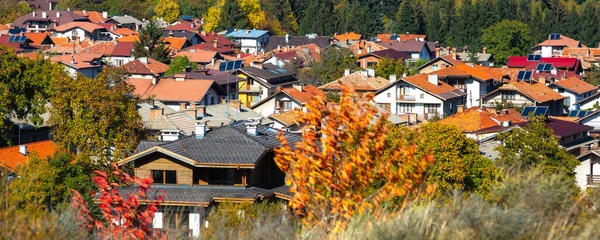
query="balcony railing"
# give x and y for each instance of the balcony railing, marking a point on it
(593, 180)
(256, 89)
(406, 98)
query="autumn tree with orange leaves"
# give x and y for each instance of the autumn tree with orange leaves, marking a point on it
(340, 169)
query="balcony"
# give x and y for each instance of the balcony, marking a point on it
(251, 89)
(593, 180)
(406, 98)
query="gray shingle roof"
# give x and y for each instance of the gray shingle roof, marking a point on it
(225, 145)
(200, 194)
(270, 71)
(126, 19)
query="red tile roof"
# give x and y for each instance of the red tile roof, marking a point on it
(123, 49)
(197, 56)
(563, 41)
(86, 26)
(574, 84)
(210, 47)
(171, 89)
(104, 48)
(221, 41)
(153, 67)
(476, 119)
(183, 26)
(175, 43)
(10, 157)
(93, 16)
(521, 62)
(304, 96)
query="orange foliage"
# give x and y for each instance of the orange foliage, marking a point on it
(340, 169)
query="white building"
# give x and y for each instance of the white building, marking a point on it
(251, 41)
(79, 31)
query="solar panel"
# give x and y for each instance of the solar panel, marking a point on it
(554, 36)
(542, 110)
(573, 113)
(21, 39)
(521, 74)
(223, 66)
(582, 113)
(11, 39)
(526, 111)
(530, 57)
(230, 65)
(547, 67)
(237, 64)
(540, 67)
(527, 75)
(534, 57)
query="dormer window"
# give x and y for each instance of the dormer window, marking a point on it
(164, 176)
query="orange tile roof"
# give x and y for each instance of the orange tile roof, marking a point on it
(93, 16)
(473, 70)
(566, 119)
(409, 36)
(422, 81)
(451, 60)
(576, 85)
(32, 55)
(477, 119)
(4, 27)
(304, 96)
(351, 36)
(104, 48)
(125, 32)
(576, 52)
(536, 91)
(153, 67)
(37, 38)
(288, 118)
(86, 26)
(563, 41)
(79, 60)
(130, 38)
(59, 40)
(364, 46)
(171, 89)
(176, 43)
(358, 82)
(68, 47)
(197, 56)
(10, 157)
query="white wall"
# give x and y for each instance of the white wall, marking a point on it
(115, 60)
(581, 173)
(80, 33)
(249, 46)
(210, 98)
(413, 92)
(268, 108)
(546, 51)
(592, 121)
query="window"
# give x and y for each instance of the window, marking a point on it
(358, 64)
(405, 107)
(255, 98)
(561, 90)
(222, 176)
(431, 108)
(403, 90)
(119, 62)
(385, 106)
(370, 64)
(389, 95)
(422, 95)
(435, 67)
(567, 101)
(285, 105)
(451, 107)
(164, 176)
(508, 96)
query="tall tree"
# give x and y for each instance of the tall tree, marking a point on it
(507, 38)
(232, 16)
(151, 43)
(317, 18)
(388, 66)
(434, 25)
(589, 31)
(96, 117)
(168, 10)
(178, 64)
(406, 17)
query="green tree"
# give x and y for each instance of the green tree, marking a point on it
(151, 43)
(388, 66)
(96, 117)
(406, 17)
(317, 18)
(507, 38)
(593, 76)
(48, 182)
(24, 88)
(330, 67)
(12, 9)
(232, 16)
(535, 146)
(414, 67)
(168, 10)
(588, 29)
(178, 64)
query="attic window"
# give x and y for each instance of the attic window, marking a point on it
(164, 176)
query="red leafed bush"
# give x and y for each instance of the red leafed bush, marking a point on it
(122, 217)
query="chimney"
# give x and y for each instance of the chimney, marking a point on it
(235, 104)
(298, 86)
(23, 149)
(369, 49)
(156, 112)
(347, 42)
(170, 33)
(553, 71)
(484, 50)
(191, 112)
(45, 15)
(460, 108)
(215, 43)
(200, 130)
(154, 81)
(433, 79)
(287, 39)
(392, 78)
(346, 72)
(252, 126)
(84, 12)
(454, 53)
(182, 106)
(188, 68)
(437, 52)
(278, 48)
(370, 72)
(144, 60)
(506, 123)
(57, 14)
(33, 13)
(201, 110)
(105, 15)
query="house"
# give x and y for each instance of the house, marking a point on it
(589, 103)
(251, 41)
(572, 136)
(299, 56)
(474, 80)
(179, 93)
(291, 42)
(12, 157)
(41, 20)
(170, 125)
(191, 37)
(228, 82)
(423, 95)
(66, 46)
(122, 54)
(45, 5)
(392, 37)
(40, 39)
(574, 90)
(215, 40)
(79, 31)
(554, 45)
(526, 93)
(87, 64)
(370, 59)
(415, 49)
(562, 64)
(482, 58)
(126, 21)
(229, 164)
(199, 57)
(287, 99)
(26, 131)
(346, 39)
(479, 123)
(438, 63)
(146, 68)
(183, 26)
(262, 81)
(587, 174)
(93, 16)
(361, 81)
(589, 118)
(363, 46)
(176, 44)
(20, 44)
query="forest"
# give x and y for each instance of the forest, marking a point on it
(451, 22)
